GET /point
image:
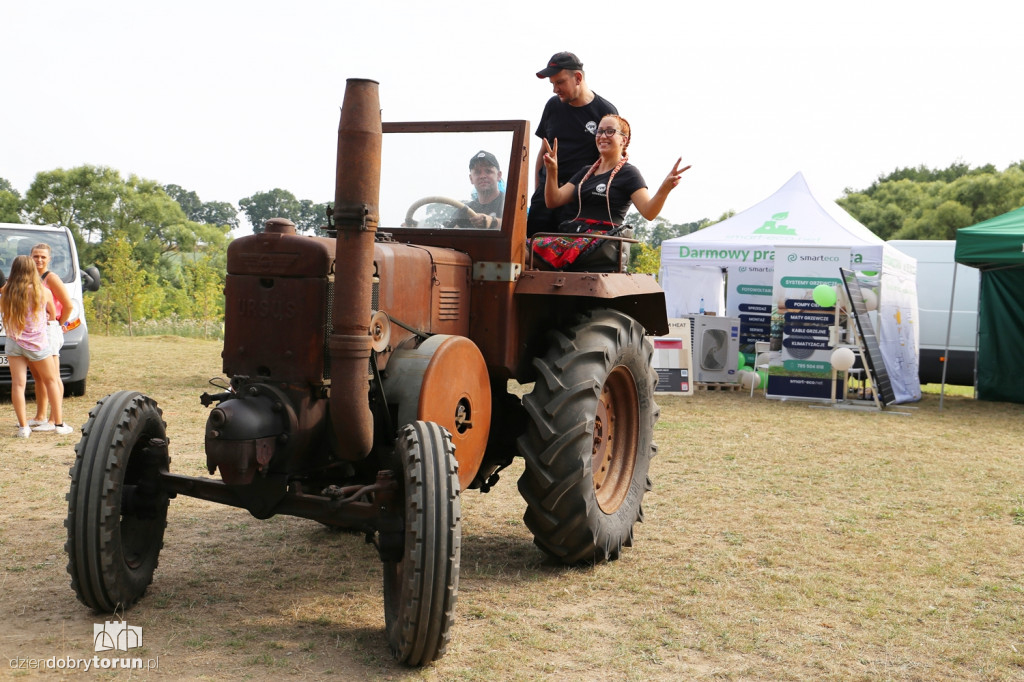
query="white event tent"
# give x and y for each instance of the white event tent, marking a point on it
(740, 251)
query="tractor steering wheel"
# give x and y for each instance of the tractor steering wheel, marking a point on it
(411, 222)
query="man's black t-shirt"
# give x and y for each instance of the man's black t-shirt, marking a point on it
(574, 127)
(491, 208)
(594, 192)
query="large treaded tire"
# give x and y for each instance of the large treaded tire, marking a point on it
(589, 444)
(116, 513)
(421, 589)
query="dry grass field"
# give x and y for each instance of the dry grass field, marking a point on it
(781, 542)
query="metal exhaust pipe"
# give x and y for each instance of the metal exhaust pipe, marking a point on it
(356, 213)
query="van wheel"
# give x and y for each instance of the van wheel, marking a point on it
(75, 388)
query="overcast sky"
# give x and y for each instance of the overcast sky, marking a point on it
(231, 98)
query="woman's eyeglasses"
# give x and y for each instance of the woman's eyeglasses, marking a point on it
(608, 131)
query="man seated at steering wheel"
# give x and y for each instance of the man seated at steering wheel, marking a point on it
(489, 201)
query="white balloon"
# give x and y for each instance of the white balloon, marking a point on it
(870, 299)
(842, 359)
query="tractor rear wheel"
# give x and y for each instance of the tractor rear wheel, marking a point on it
(116, 511)
(590, 440)
(420, 589)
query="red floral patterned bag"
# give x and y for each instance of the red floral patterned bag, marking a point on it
(562, 251)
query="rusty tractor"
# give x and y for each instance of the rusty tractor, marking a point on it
(371, 381)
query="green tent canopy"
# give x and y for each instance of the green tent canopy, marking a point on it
(996, 247)
(996, 243)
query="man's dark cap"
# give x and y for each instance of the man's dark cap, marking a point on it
(559, 61)
(485, 157)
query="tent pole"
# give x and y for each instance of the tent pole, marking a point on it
(977, 332)
(949, 329)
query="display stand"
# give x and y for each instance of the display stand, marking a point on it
(858, 335)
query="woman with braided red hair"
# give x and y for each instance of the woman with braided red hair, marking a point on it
(605, 190)
(603, 193)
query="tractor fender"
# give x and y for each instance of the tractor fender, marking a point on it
(637, 295)
(443, 380)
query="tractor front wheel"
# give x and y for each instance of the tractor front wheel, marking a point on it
(420, 588)
(116, 511)
(590, 440)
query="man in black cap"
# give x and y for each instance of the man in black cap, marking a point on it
(489, 202)
(571, 116)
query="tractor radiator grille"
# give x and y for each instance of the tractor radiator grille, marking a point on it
(449, 304)
(328, 328)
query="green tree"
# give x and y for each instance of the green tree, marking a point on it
(989, 194)
(218, 213)
(312, 217)
(922, 174)
(940, 222)
(262, 206)
(654, 232)
(10, 203)
(188, 200)
(156, 226)
(131, 289)
(82, 199)
(204, 285)
(644, 258)
(920, 203)
(278, 203)
(100, 308)
(210, 213)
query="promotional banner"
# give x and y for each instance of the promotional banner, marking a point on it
(806, 288)
(749, 298)
(898, 325)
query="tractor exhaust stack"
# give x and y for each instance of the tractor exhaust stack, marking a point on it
(356, 213)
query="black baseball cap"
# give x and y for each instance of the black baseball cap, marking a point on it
(485, 157)
(559, 61)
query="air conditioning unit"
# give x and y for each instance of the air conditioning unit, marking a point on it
(715, 343)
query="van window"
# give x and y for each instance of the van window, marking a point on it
(15, 242)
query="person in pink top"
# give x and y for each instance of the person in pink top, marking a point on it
(41, 254)
(25, 305)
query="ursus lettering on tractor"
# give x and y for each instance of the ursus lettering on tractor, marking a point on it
(369, 378)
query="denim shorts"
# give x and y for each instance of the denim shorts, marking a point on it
(13, 348)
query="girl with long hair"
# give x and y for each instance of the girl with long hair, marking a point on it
(25, 305)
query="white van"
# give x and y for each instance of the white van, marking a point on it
(934, 286)
(17, 240)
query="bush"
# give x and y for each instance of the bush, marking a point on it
(172, 325)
